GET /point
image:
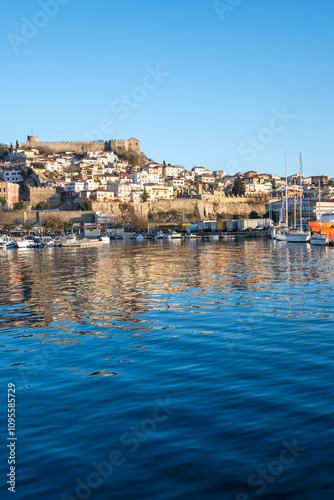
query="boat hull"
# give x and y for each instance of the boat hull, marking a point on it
(323, 227)
(298, 238)
(319, 241)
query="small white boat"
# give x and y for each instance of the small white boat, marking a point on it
(160, 236)
(7, 242)
(319, 240)
(66, 241)
(25, 243)
(278, 234)
(298, 237)
(139, 237)
(105, 239)
(176, 236)
(47, 241)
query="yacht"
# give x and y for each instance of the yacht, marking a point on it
(27, 242)
(7, 242)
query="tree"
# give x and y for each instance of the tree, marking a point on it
(47, 225)
(93, 197)
(43, 205)
(3, 201)
(8, 227)
(238, 188)
(56, 225)
(271, 215)
(39, 164)
(11, 148)
(20, 205)
(273, 183)
(164, 163)
(27, 227)
(85, 205)
(3, 152)
(67, 226)
(145, 196)
(254, 215)
(17, 144)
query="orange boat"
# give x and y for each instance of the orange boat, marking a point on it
(326, 228)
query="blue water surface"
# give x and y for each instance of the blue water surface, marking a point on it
(169, 370)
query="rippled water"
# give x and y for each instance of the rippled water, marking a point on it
(170, 370)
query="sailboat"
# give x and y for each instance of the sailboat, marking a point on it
(318, 238)
(280, 233)
(299, 236)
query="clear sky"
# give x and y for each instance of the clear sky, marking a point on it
(228, 85)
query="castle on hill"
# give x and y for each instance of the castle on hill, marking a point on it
(81, 147)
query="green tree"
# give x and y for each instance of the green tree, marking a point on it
(164, 163)
(47, 225)
(85, 205)
(27, 227)
(56, 225)
(271, 215)
(238, 188)
(43, 205)
(93, 197)
(273, 183)
(67, 226)
(11, 148)
(20, 205)
(3, 152)
(145, 196)
(3, 201)
(8, 227)
(254, 215)
(17, 144)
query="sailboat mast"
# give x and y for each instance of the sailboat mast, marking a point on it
(286, 190)
(300, 194)
(294, 204)
(319, 205)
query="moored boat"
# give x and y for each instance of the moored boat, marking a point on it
(298, 237)
(319, 240)
(7, 242)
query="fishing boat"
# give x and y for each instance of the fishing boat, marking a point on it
(299, 236)
(326, 225)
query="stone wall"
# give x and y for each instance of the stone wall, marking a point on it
(199, 208)
(81, 146)
(48, 194)
(72, 216)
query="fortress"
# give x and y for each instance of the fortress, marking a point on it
(81, 147)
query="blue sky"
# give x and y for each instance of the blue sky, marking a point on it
(234, 84)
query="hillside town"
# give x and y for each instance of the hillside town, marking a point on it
(37, 179)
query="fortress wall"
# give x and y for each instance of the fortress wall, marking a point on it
(72, 216)
(48, 194)
(82, 146)
(230, 207)
(76, 147)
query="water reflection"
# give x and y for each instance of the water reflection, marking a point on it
(114, 286)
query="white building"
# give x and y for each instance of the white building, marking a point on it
(12, 175)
